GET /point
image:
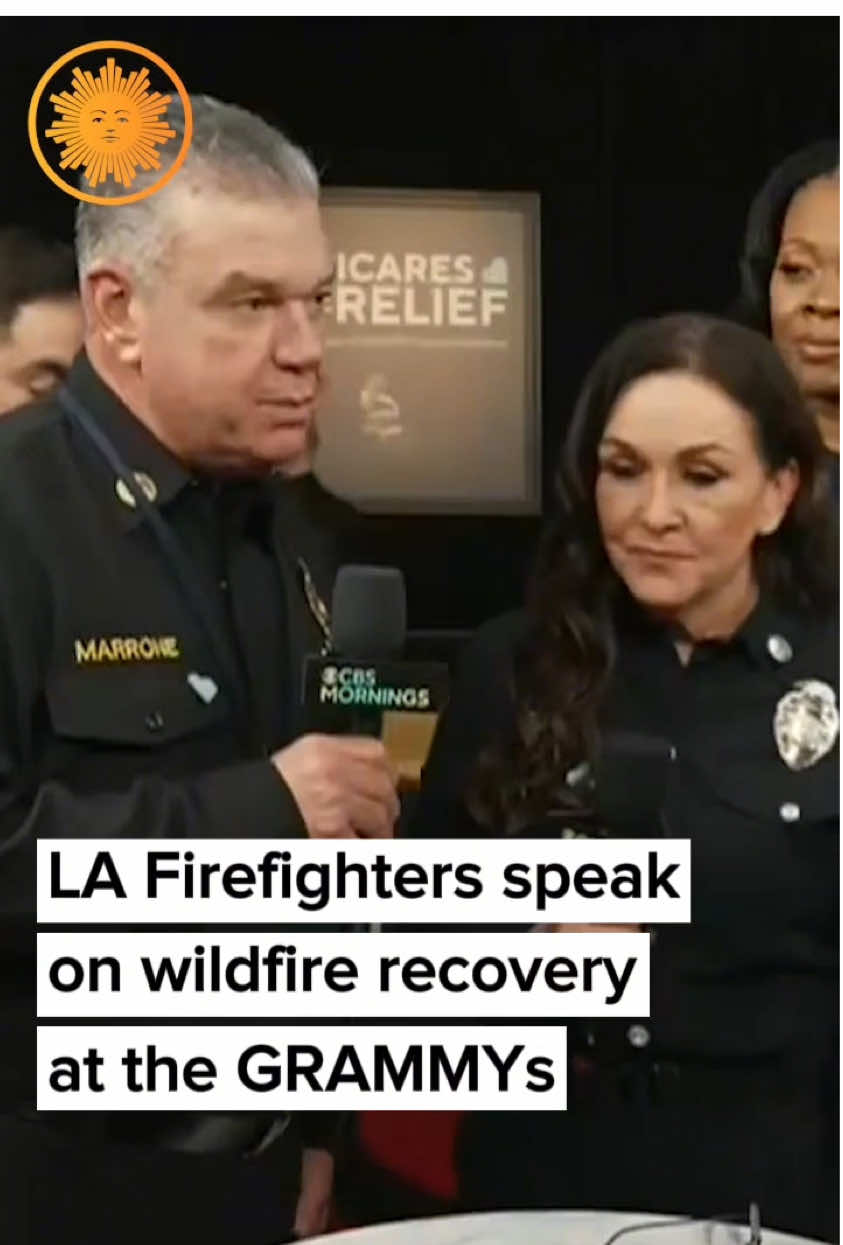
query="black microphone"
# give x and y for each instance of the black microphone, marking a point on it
(369, 613)
(631, 782)
(623, 795)
(348, 691)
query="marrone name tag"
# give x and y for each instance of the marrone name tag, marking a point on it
(118, 648)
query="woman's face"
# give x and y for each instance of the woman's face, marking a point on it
(805, 289)
(682, 492)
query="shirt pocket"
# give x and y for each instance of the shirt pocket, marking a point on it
(146, 706)
(765, 789)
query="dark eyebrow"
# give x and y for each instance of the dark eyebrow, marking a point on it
(706, 447)
(689, 451)
(243, 282)
(240, 283)
(796, 240)
(617, 443)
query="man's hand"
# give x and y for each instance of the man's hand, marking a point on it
(344, 786)
(317, 1183)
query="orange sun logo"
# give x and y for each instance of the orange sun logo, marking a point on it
(110, 124)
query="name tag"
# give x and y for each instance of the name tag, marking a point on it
(117, 648)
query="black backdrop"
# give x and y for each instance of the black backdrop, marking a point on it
(644, 136)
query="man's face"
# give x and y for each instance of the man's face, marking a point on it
(38, 349)
(231, 334)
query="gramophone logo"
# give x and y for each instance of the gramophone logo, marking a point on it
(381, 413)
(108, 120)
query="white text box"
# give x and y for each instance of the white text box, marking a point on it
(312, 1068)
(431, 881)
(518, 975)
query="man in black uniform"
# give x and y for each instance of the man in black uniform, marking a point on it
(153, 619)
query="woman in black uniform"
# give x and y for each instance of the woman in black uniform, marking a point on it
(685, 595)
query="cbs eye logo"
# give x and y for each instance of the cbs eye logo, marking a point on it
(329, 676)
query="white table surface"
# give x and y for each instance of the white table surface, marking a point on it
(564, 1227)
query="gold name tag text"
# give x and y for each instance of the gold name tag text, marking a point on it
(127, 648)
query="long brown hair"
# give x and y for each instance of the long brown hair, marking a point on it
(563, 668)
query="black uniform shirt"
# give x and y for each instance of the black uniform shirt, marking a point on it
(756, 970)
(116, 714)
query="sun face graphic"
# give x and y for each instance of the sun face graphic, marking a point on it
(109, 121)
(111, 124)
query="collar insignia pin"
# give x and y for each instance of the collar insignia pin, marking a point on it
(144, 482)
(147, 485)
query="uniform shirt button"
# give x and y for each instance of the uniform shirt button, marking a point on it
(779, 648)
(224, 585)
(790, 812)
(154, 721)
(638, 1036)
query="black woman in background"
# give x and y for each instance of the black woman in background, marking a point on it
(790, 279)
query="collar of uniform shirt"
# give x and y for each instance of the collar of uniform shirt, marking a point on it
(770, 636)
(247, 505)
(139, 449)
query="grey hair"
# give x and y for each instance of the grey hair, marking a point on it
(231, 151)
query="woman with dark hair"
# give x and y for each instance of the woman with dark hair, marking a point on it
(790, 276)
(685, 596)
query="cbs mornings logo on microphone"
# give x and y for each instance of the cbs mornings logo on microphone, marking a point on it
(99, 115)
(365, 687)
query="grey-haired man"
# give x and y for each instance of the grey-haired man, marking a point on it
(148, 683)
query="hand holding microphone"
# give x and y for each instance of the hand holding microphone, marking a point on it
(340, 773)
(345, 787)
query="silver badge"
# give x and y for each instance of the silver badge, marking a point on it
(806, 723)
